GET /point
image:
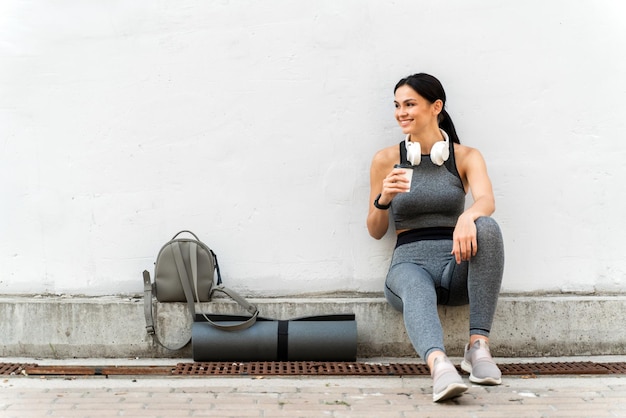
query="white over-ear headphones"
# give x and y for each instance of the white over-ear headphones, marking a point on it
(439, 153)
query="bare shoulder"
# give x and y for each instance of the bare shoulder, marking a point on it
(469, 163)
(465, 155)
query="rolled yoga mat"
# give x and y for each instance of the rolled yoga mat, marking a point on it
(316, 338)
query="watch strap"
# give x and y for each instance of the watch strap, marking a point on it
(379, 205)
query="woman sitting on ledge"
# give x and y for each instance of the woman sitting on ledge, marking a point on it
(445, 254)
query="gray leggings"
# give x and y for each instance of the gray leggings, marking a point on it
(424, 274)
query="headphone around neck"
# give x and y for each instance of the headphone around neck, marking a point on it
(439, 153)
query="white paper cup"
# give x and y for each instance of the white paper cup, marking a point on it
(408, 172)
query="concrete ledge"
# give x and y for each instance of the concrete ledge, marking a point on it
(114, 327)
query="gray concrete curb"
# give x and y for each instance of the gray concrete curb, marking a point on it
(114, 327)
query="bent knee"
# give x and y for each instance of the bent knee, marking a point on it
(487, 228)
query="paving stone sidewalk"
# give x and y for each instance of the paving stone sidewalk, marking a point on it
(402, 397)
(590, 396)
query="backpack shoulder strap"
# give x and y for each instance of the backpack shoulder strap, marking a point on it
(250, 308)
(183, 277)
(147, 302)
(147, 310)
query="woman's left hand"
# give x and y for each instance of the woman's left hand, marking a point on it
(472, 168)
(464, 245)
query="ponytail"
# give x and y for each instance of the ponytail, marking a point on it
(445, 123)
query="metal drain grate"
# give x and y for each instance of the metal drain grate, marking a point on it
(615, 368)
(302, 368)
(556, 368)
(9, 369)
(369, 369)
(36, 370)
(299, 368)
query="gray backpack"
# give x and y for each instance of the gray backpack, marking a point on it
(185, 272)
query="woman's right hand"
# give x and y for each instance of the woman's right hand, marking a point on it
(395, 182)
(388, 182)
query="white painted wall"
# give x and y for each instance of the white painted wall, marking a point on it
(254, 123)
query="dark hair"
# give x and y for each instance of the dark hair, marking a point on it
(431, 89)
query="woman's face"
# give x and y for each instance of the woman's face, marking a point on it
(413, 112)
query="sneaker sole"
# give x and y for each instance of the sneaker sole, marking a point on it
(452, 391)
(465, 365)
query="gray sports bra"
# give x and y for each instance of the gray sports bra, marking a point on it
(436, 198)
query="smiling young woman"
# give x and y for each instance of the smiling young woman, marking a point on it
(445, 253)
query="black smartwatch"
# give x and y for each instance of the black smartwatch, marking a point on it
(379, 206)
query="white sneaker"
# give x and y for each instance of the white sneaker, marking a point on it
(478, 362)
(447, 382)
